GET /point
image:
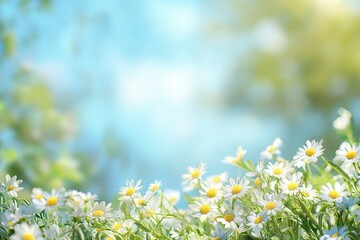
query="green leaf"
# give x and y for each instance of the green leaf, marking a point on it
(337, 168)
(188, 198)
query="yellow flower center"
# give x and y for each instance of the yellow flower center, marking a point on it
(28, 236)
(292, 186)
(270, 205)
(351, 154)
(277, 171)
(335, 235)
(108, 238)
(10, 188)
(172, 199)
(334, 194)
(211, 193)
(38, 196)
(52, 201)
(306, 194)
(141, 201)
(216, 179)
(217, 238)
(257, 182)
(271, 149)
(116, 226)
(258, 220)
(229, 217)
(310, 152)
(195, 173)
(236, 189)
(130, 191)
(154, 187)
(10, 223)
(98, 213)
(205, 209)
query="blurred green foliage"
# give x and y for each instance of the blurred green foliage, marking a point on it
(34, 133)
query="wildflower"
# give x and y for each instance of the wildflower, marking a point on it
(218, 179)
(24, 231)
(343, 122)
(308, 192)
(219, 233)
(335, 234)
(52, 233)
(130, 191)
(272, 150)
(236, 161)
(330, 193)
(37, 193)
(256, 222)
(100, 210)
(271, 203)
(231, 218)
(308, 153)
(142, 201)
(349, 153)
(278, 169)
(236, 188)
(210, 190)
(193, 176)
(203, 209)
(259, 169)
(155, 186)
(50, 200)
(291, 183)
(172, 195)
(347, 203)
(11, 185)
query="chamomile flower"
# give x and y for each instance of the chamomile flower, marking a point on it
(335, 233)
(218, 179)
(278, 169)
(24, 231)
(272, 150)
(100, 210)
(330, 193)
(348, 153)
(309, 153)
(11, 185)
(172, 196)
(142, 201)
(291, 183)
(155, 186)
(203, 209)
(308, 192)
(256, 222)
(131, 190)
(271, 203)
(50, 200)
(236, 161)
(52, 233)
(259, 169)
(37, 193)
(211, 191)
(231, 218)
(343, 122)
(236, 188)
(192, 177)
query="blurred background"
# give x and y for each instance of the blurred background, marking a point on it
(96, 92)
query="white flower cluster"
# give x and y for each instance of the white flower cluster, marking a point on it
(307, 197)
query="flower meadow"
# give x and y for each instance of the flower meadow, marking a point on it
(305, 197)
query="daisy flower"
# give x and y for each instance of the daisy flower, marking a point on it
(236, 188)
(100, 210)
(142, 201)
(211, 191)
(37, 193)
(278, 169)
(203, 209)
(308, 192)
(290, 184)
(52, 233)
(155, 186)
(259, 169)
(11, 185)
(271, 203)
(193, 176)
(24, 231)
(343, 121)
(330, 193)
(349, 153)
(130, 191)
(240, 152)
(231, 218)
(272, 150)
(172, 195)
(308, 153)
(50, 200)
(218, 179)
(256, 222)
(335, 234)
